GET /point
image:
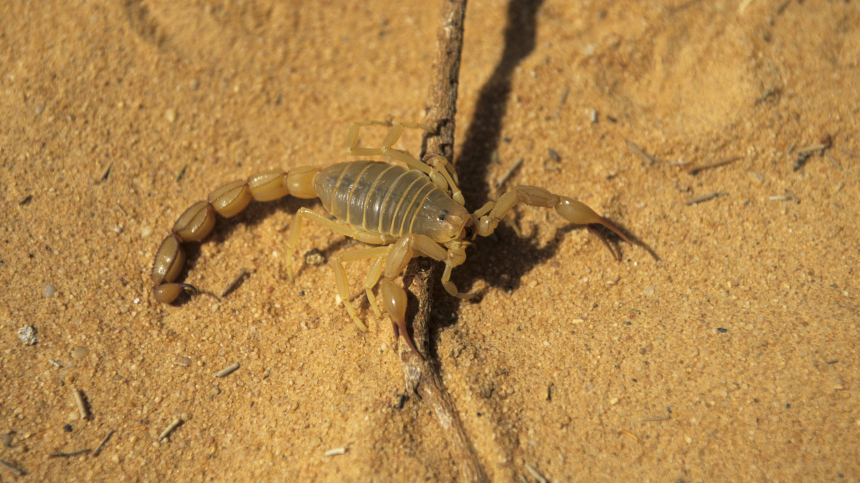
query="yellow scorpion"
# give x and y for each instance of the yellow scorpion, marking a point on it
(409, 212)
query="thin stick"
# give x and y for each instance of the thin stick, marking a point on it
(232, 285)
(14, 469)
(102, 444)
(180, 173)
(508, 174)
(813, 148)
(695, 170)
(703, 198)
(636, 149)
(68, 455)
(535, 473)
(227, 370)
(421, 376)
(849, 153)
(175, 424)
(656, 418)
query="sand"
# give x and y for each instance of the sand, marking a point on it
(723, 345)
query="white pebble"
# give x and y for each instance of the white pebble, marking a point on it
(27, 335)
(50, 290)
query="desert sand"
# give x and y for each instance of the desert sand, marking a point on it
(722, 346)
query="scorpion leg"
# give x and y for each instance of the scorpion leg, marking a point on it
(393, 295)
(372, 279)
(345, 230)
(343, 282)
(571, 210)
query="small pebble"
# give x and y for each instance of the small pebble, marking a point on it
(145, 231)
(7, 439)
(50, 290)
(170, 115)
(80, 352)
(314, 257)
(27, 335)
(649, 291)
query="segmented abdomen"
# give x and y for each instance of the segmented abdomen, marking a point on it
(377, 197)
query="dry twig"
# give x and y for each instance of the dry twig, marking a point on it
(421, 376)
(695, 170)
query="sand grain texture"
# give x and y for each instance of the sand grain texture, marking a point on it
(731, 355)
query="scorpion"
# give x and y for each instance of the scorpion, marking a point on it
(407, 213)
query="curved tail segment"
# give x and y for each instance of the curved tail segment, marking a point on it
(197, 222)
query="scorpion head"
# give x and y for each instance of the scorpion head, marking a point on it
(444, 220)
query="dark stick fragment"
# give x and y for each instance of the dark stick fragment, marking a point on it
(14, 469)
(101, 445)
(695, 169)
(230, 286)
(703, 198)
(69, 455)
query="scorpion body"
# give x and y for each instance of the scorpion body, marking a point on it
(406, 212)
(385, 198)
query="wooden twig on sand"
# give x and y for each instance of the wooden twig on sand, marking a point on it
(421, 377)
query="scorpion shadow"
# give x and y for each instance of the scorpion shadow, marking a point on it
(473, 163)
(483, 135)
(487, 260)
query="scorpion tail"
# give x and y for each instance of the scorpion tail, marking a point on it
(199, 220)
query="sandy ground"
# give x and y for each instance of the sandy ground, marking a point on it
(723, 346)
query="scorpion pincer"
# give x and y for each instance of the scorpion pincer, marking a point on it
(405, 213)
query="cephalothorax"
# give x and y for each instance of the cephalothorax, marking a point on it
(408, 212)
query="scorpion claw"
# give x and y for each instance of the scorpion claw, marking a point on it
(577, 212)
(605, 242)
(608, 224)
